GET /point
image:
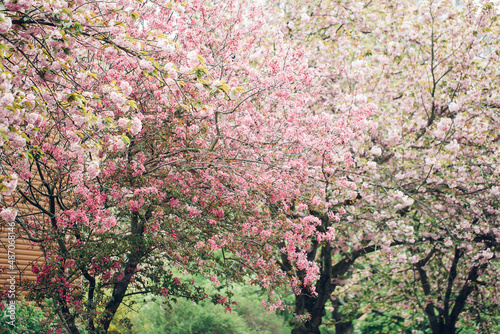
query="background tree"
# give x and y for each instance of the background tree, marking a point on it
(444, 158)
(428, 179)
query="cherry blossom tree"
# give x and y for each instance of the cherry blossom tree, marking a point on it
(429, 178)
(143, 136)
(445, 160)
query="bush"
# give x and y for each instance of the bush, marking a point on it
(186, 317)
(29, 320)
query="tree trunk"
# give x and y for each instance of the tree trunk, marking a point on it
(117, 297)
(344, 328)
(120, 288)
(445, 329)
(305, 330)
(308, 327)
(306, 303)
(342, 325)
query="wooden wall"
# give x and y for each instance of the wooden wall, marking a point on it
(25, 255)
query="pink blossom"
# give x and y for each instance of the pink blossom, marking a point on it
(311, 220)
(178, 8)
(454, 107)
(30, 98)
(123, 122)
(302, 207)
(174, 203)
(213, 245)
(8, 215)
(443, 126)
(165, 46)
(136, 127)
(453, 146)
(487, 254)
(5, 24)
(146, 65)
(16, 140)
(215, 281)
(118, 144)
(34, 119)
(126, 88)
(414, 259)
(134, 205)
(402, 257)
(93, 170)
(192, 59)
(10, 185)
(77, 177)
(376, 150)
(216, 83)
(220, 213)
(123, 3)
(371, 108)
(117, 98)
(169, 67)
(56, 35)
(7, 99)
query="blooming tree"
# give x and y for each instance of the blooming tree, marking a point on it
(439, 157)
(428, 180)
(142, 136)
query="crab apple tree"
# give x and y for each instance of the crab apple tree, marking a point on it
(334, 241)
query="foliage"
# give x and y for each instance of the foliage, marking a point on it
(248, 316)
(186, 317)
(389, 323)
(203, 319)
(29, 320)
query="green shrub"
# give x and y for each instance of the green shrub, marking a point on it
(186, 317)
(29, 320)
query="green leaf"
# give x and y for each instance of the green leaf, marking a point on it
(78, 27)
(132, 104)
(135, 16)
(66, 11)
(25, 137)
(126, 140)
(225, 88)
(28, 156)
